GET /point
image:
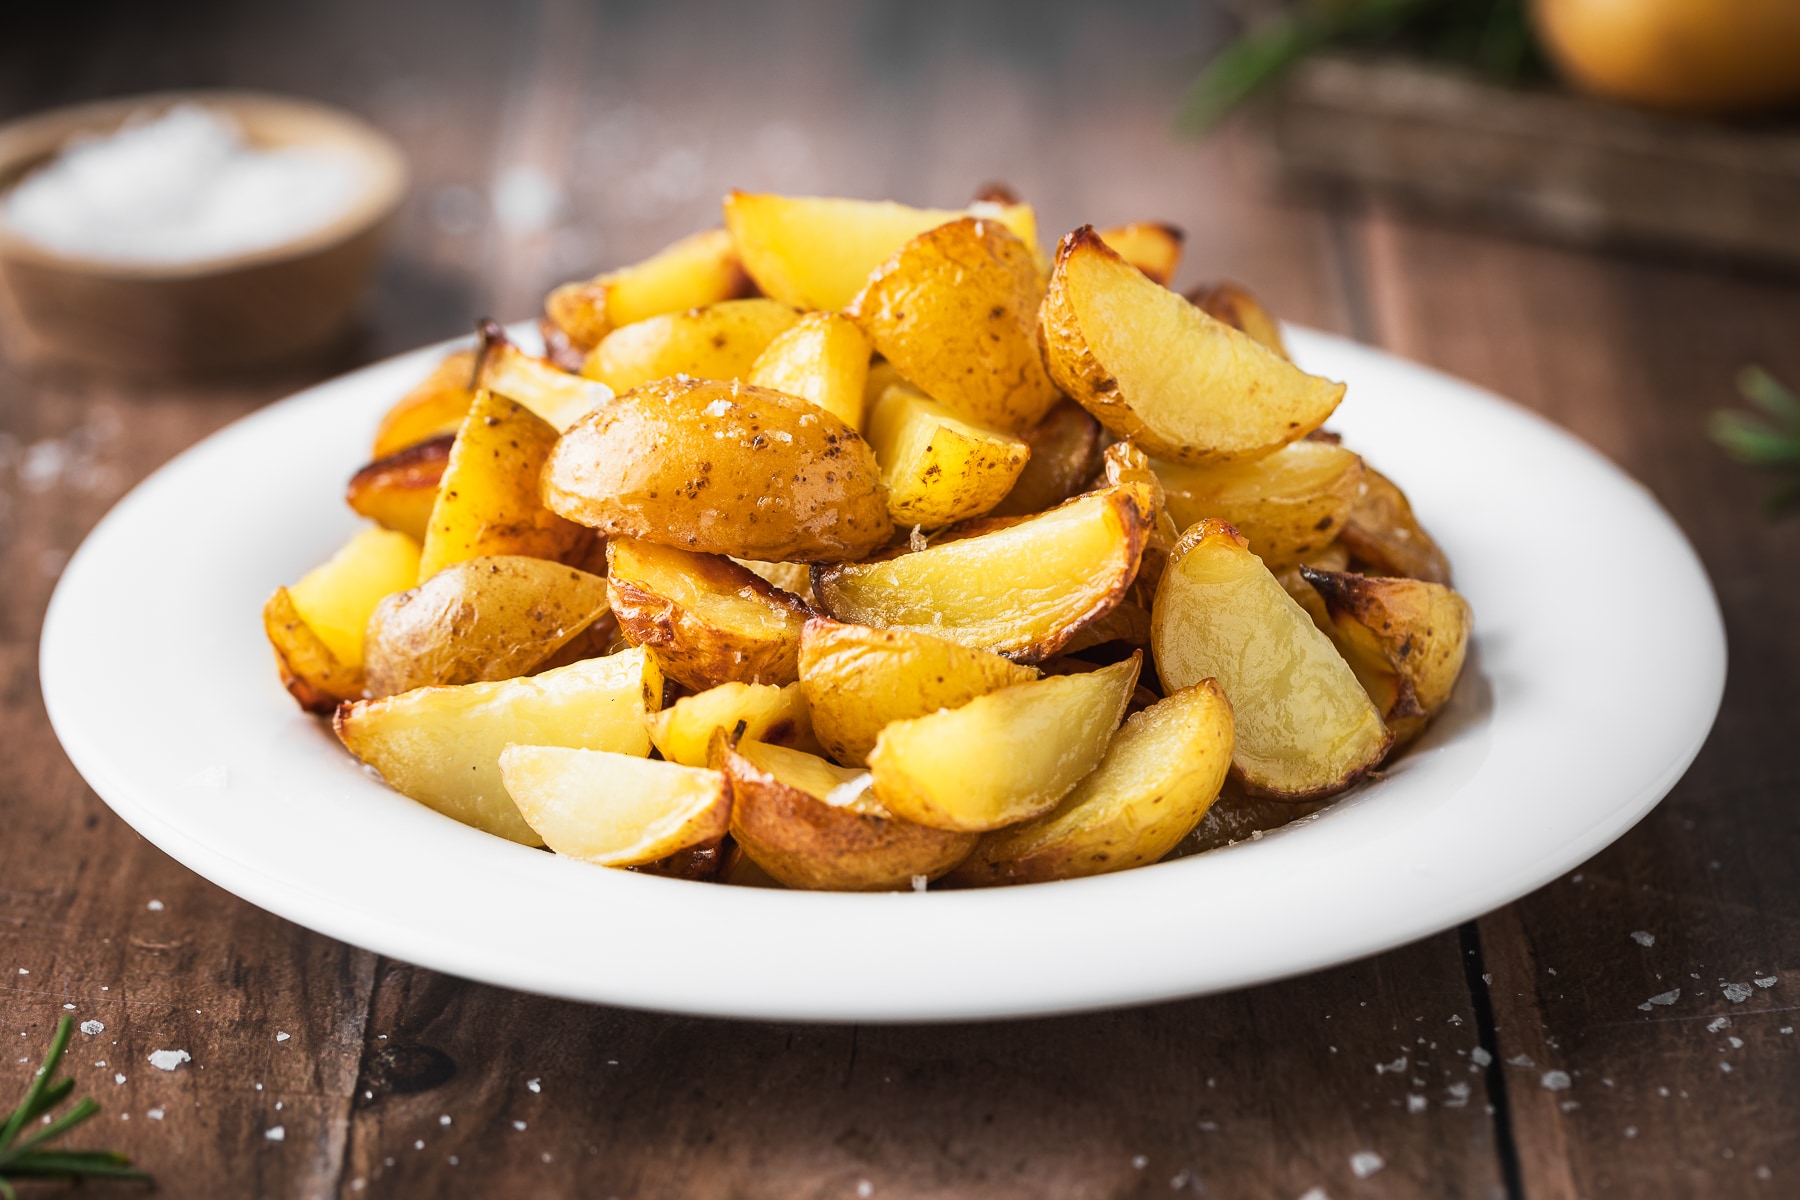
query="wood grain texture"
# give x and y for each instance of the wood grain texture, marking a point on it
(638, 118)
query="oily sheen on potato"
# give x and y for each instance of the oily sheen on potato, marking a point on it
(722, 468)
(1290, 504)
(1154, 368)
(612, 809)
(698, 270)
(1304, 725)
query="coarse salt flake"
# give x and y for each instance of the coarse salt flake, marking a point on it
(1365, 1163)
(168, 1060)
(1416, 1103)
(155, 906)
(155, 1114)
(1717, 1023)
(1480, 1057)
(1665, 998)
(1737, 993)
(276, 1133)
(92, 1027)
(1555, 1081)
(1643, 937)
(282, 1037)
(535, 1085)
(1766, 981)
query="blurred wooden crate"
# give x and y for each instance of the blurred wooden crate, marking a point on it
(1555, 163)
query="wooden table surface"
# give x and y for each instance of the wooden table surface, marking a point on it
(1367, 1080)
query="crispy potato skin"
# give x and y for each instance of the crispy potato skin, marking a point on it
(488, 500)
(1404, 638)
(722, 468)
(309, 670)
(1153, 368)
(1162, 772)
(1304, 725)
(1065, 453)
(955, 311)
(939, 468)
(858, 679)
(1239, 308)
(1022, 587)
(719, 341)
(481, 619)
(398, 492)
(1383, 535)
(706, 619)
(435, 407)
(1123, 463)
(1291, 504)
(1153, 247)
(792, 833)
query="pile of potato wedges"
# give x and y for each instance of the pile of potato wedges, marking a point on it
(856, 546)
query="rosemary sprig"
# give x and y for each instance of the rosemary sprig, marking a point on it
(1769, 438)
(23, 1157)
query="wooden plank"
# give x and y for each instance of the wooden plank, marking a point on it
(1661, 1101)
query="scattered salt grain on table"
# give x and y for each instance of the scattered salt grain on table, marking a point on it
(92, 1027)
(282, 1037)
(1365, 1163)
(168, 1060)
(1766, 981)
(155, 906)
(1556, 1081)
(1668, 997)
(155, 1114)
(535, 1085)
(1737, 993)
(182, 187)
(1644, 937)
(276, 1133)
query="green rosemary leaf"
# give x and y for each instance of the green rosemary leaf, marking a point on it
(33, 1158)
(1767, 393)
(30, 1107)
(67, 1164)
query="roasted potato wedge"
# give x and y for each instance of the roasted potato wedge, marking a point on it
(792, 577)
(939, 468)
(398, 492)
(615, 810)
(778, 715)
(720, 341)
(1022, 589)
(546, 389)
(1290, 504)
(1151, 246)
(1162, 771)
(1404, 638)
(435, 407)
(1305, 727)
(1235, 305)
(955, 311)
(822, 357)
(1065, 453)
(488, 500)
(480, 619)
(696, 271)
(441, 745)
(316, 626)
(817, 252)
(1004, 757)
(705, 619)
(1158, 370)
(857, 680)
(1383, 535)
(1124, 463)
(722, 468)
(814, 825)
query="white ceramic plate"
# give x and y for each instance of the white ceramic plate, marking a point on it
(1576, 715)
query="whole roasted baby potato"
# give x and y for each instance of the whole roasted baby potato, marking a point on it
(955, 311)
(706, 619)
(811, 824)
(480, 619)
(1304, 725)
(722, 468)
(1156, 369)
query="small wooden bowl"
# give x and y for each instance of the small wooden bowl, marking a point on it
(254, 308)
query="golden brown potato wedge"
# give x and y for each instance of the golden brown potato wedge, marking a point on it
(939, 468)
(1158, 370)
(441, 745)
(698, 270)
(1065, 453)
(1384, 536)
(480, 619)
(1305, 727)
(1022, 589)
(488, 500)
(316, 626)
(1235, 305)
(1151, 246)
(615, 810)
(434, 408)
(1290, 504)
(722, 468)
(683, 731)
(1004, 757)
(1404, 638)
(814, 825)
(857, 680)
(399, 491)
(822, 357)
(817, 252)
(955, 311)
(720, 341)
(705, 619)
(1162, 771)
(546, 389)
(1124, 463)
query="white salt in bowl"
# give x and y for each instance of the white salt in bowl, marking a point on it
(277, 303)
